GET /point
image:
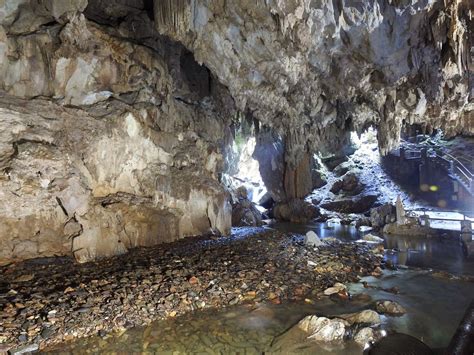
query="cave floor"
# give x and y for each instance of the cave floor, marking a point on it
(51, 301)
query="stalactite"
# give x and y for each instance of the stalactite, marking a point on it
(173, 15)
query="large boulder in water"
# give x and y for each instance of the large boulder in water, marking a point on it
(354, 205)
(310, 332)
(296, 211)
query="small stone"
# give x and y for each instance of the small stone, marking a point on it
(234, 301)
(46, 333)
(25, 278)
(312, 239)
(24, 349)
(193, 280)
(337, 288)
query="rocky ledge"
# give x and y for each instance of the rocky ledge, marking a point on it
(50, 301)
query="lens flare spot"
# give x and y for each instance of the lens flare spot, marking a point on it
(424, 187)
(442, 203)
(434, 188)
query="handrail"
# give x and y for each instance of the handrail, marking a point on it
(453, 165)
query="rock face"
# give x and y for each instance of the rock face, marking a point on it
(112, 135)
(105, 144)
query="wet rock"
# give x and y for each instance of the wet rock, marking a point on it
(364, 336)
(323, 329)
(390, 308)
(297, 211)
(312, 239)
(372, 238)
(337, 288)
(367, 316)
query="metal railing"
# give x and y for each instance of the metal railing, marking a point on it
(454, 167)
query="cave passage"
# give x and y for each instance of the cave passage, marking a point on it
(219, 177)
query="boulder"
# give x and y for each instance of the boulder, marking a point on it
(350, 182)
(297, 211)
(333, 161)
(354, 205)
(343, 168)
(323, 329)
(312, 239)
(244, 212)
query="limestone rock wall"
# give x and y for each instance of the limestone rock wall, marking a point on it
(108, 141)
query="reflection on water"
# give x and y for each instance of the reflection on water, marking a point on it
(323, 230)
(434, 306)
(436, 253)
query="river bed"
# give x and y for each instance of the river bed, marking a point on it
(433, 278)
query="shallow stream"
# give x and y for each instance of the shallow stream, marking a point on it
(435, 303)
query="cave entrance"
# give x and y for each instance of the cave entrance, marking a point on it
(243, 169)
(242, 177)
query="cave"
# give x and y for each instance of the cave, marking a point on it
(188, 176)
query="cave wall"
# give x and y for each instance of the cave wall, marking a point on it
(110, 135)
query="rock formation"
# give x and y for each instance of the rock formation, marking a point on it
(105, 144)
(116, 117)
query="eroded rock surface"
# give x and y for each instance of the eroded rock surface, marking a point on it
(105, 144)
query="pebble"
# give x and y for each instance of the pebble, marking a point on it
(24, 349)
